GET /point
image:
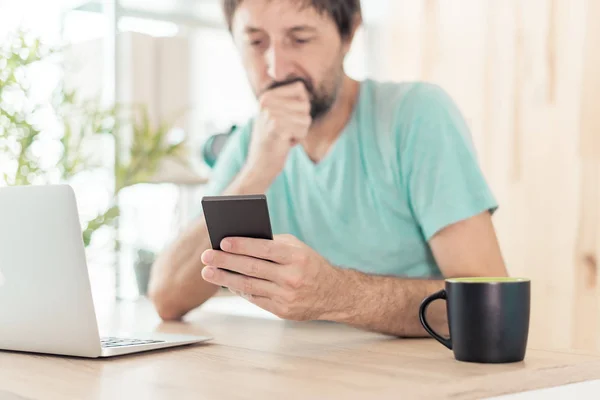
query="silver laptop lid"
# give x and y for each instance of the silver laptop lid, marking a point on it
(46, 302)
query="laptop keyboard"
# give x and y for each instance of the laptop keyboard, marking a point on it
(121, 342)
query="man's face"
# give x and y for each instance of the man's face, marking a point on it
(280, 41)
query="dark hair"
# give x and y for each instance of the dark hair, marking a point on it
(342, 12)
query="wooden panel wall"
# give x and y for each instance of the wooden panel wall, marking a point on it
(527, 76)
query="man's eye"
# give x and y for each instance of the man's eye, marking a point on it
(256, 42)
(301, 41)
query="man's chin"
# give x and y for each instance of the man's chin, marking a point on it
(319, 114)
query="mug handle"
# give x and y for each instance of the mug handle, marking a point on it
(441, 295)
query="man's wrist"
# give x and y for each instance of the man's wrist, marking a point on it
(251, 181)
(343, 302)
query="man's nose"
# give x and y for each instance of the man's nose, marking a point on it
(280, 63)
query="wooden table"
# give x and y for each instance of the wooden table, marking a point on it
(257, 357)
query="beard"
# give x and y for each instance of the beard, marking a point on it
(321, 97)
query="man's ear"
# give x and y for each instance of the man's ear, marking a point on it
(356, 23)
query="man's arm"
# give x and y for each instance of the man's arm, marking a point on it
(176, 284)
(291, 280)
(391, 305)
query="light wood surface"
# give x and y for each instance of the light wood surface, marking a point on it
(256, 357)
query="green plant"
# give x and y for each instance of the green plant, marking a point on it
(74, 122)
(148, 148)
(18, 131)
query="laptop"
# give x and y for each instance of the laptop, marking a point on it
(46, 303)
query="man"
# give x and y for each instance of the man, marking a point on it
(376, 185)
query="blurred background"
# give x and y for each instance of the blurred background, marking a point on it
(122, 99)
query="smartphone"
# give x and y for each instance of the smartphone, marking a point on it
(236, 216)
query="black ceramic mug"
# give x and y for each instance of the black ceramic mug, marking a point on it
(488, 318)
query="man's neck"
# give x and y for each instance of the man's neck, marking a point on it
(324, 133)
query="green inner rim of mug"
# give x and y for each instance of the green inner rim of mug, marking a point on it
(487, 280)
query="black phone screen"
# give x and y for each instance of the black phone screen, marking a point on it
(236, 216)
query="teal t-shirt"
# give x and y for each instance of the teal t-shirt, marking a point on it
(403, 168)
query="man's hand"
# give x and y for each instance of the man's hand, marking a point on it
(283, 276)
(283, 122)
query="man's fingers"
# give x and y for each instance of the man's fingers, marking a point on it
(286, 120)
(249, 266)
(296, 128)
(287, 239)
(286, 107)
(263, 302)
(240, 283)
(273, 250)
(295, 90)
